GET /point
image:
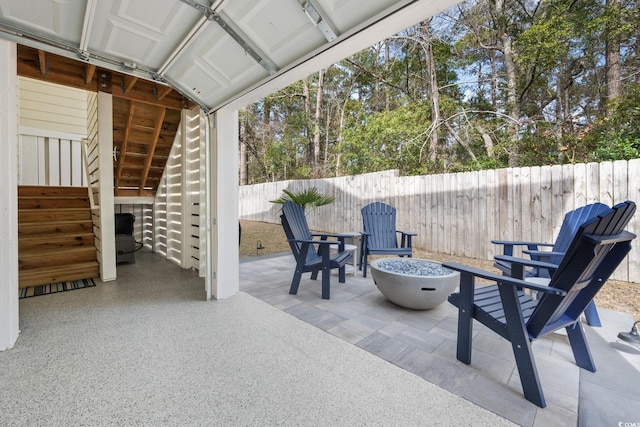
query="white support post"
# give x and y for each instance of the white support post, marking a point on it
(222, 209)
(9, 195)
(106, 198)
(185, 205)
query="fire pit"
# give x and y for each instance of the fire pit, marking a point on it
(414, 283)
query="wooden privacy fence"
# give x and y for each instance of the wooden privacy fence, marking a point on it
(459, 213)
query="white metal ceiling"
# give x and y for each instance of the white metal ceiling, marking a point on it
(214, 52)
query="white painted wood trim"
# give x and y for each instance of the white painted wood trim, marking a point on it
(133, 200)
(185, 205)
(224, 205)
(106, 198)
(26, 130)
(9, 323)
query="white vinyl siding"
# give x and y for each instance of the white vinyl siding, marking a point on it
(52, 107)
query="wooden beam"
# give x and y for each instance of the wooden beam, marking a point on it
(149, 98)
(128, 83)
(42, 63)
(125, 142)
(162, 92)
(89, 71)
(156, 134)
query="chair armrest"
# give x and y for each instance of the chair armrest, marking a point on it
(509, 245)
(519, 243)
(525, 261)
(405, 240)
(502, 280)
(314, 241)
(518, 264)
(624, 236)
(543, 256)
(325, 235)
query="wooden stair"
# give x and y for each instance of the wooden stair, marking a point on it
(55, 235)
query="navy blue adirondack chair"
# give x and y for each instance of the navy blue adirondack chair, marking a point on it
(379, 235)
(312, 254)
(598, 247)
(570, 224)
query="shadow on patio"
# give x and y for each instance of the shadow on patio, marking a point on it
(423, 343)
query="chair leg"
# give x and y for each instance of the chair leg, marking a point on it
(580, 348)
(295, 283)
(326, 272)
(326, 283)
(364, 265)
(521, 346)
(314, 274)
(342, 274)
(465, 319)
(591, 313)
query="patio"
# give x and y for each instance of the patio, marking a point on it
(147, 349)
(423, 342)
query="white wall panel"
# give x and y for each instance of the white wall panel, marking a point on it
(52, 107)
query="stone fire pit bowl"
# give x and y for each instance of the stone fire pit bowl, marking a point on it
(418, 284)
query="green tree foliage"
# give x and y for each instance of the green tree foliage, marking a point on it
(518, 83)
(615, 137)
(387, 140)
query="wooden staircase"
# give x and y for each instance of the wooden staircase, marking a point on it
(55, 235)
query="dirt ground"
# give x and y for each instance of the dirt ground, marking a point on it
(621, 296)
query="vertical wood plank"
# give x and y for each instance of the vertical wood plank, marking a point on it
(592, 190)
(546, 200)
(437, 218)
(505, 229)
(557, 206)
(493, 216)
(536, 204)
(633, 175)
(606, 183)
(579, 185)
(568, 196)
(620, 194)
(524, 204)
(482, 236)
(66, 166)
(29, 166)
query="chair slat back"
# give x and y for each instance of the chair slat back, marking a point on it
(570, 224)
(295, 226)
(584, 268)
(379, 220)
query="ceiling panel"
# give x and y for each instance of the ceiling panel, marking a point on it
(61, 19)
(346, 14)
(139, 31)
(278, 27)
(214, 66)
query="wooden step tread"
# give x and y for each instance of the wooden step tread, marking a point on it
(49, 252)
(53, 202)
(54, 210)
(38, 190)
(51, 236)
(29, 260)
(45, 276)
(54, 240)
(62, 214)
(62, 226)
